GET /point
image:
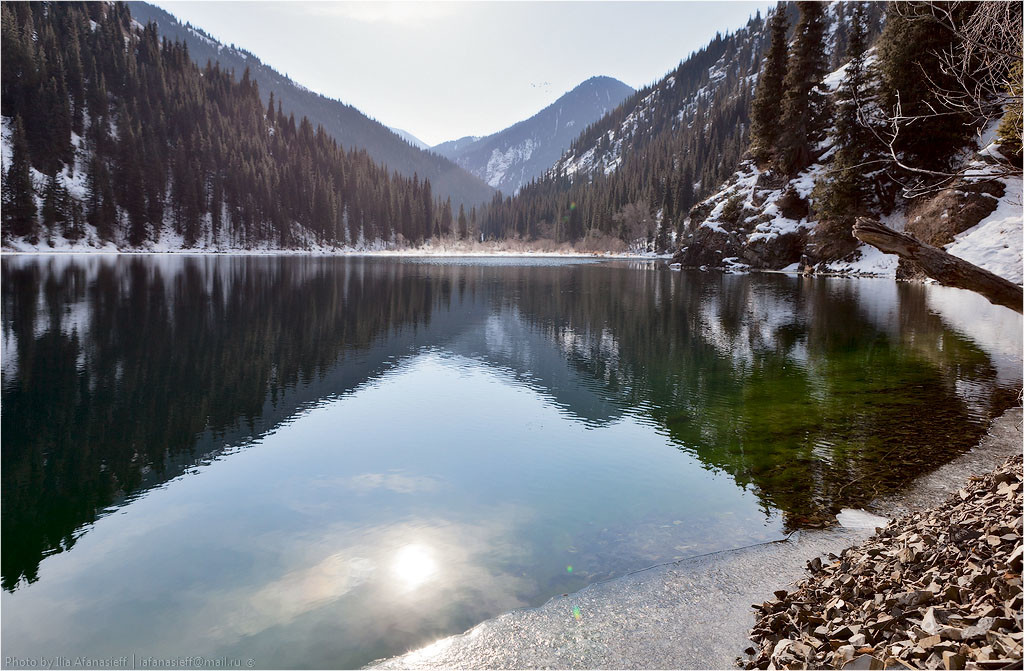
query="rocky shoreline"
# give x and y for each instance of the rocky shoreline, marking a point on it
(934, 589)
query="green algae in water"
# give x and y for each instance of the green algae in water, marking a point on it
(347, 458)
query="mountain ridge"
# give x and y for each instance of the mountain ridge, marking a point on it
(409, 137)
(512, 157)
(348, 125)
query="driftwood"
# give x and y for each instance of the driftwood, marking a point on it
(940, 266)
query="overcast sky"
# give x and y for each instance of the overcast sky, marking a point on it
(443, 70)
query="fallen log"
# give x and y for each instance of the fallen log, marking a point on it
(939, 265)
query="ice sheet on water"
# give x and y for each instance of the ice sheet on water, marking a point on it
(853, 518)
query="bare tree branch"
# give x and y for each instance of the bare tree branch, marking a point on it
(941, 266)
(989, 42)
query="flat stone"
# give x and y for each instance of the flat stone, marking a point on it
(864, 662)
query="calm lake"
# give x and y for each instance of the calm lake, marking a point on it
(318, 462)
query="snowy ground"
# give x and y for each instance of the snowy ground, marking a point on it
(996, 243)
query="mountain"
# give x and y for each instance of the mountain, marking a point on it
(345, 123)
(648, 160)
(115, 138)
(409, 137)
(452, 147)
(632, 176)
(512, 157)
(728, 66)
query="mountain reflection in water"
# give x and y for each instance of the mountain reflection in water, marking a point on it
(423, 444)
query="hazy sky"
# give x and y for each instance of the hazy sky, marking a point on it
(443, 70)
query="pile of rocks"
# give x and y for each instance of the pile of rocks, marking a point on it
(937, 589)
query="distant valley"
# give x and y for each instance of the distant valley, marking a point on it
(348, 125)
(510, 158)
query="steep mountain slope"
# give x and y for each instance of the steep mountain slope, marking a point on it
(132, 145)
(671, 104)
(452, 147)
(409, 137)
(765, 216)
(345, 123)
(646, 161)
(510, 158)
(635, 173)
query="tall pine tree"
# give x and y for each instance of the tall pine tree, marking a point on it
(846, 192)
(463, 224)
(764, 111)
(803, 104)
(910, 51)
(19, 203)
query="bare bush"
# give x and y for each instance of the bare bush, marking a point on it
(980, 76)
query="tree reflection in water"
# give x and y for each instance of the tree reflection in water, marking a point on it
(122, 373)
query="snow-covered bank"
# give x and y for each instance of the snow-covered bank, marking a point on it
(996, 243)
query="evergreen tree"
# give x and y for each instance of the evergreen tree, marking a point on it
(100, 211)
(803, 104)
(575, 225)
(764, 111)
(19, 203)
(661, 239)
(446, 218)
(910, 51)
(846, 192)
(463, 224)
(54, 206)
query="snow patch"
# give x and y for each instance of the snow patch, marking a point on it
(996, 243)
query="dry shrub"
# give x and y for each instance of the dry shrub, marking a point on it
(937, 219)
(792, 206)
(601, 243)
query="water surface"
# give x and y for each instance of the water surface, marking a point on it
(317, 462)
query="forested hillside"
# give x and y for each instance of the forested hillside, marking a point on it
(345, 123)
(113, 136)
(918, 129)
(636, 173)
(758, 150)
(761, 149)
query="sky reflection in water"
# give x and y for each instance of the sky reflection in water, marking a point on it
(433, 444)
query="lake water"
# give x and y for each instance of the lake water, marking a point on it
(318, 462)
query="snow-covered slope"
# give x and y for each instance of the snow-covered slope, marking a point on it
(763, 220)
(510, 158)
(667, 104)
(728, 65)
(996, 243)
(760, 220)
(409, 137)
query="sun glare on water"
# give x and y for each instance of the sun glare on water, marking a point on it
(414, 565)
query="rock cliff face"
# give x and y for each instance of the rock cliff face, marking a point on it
(940, 219)
(756, 220)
